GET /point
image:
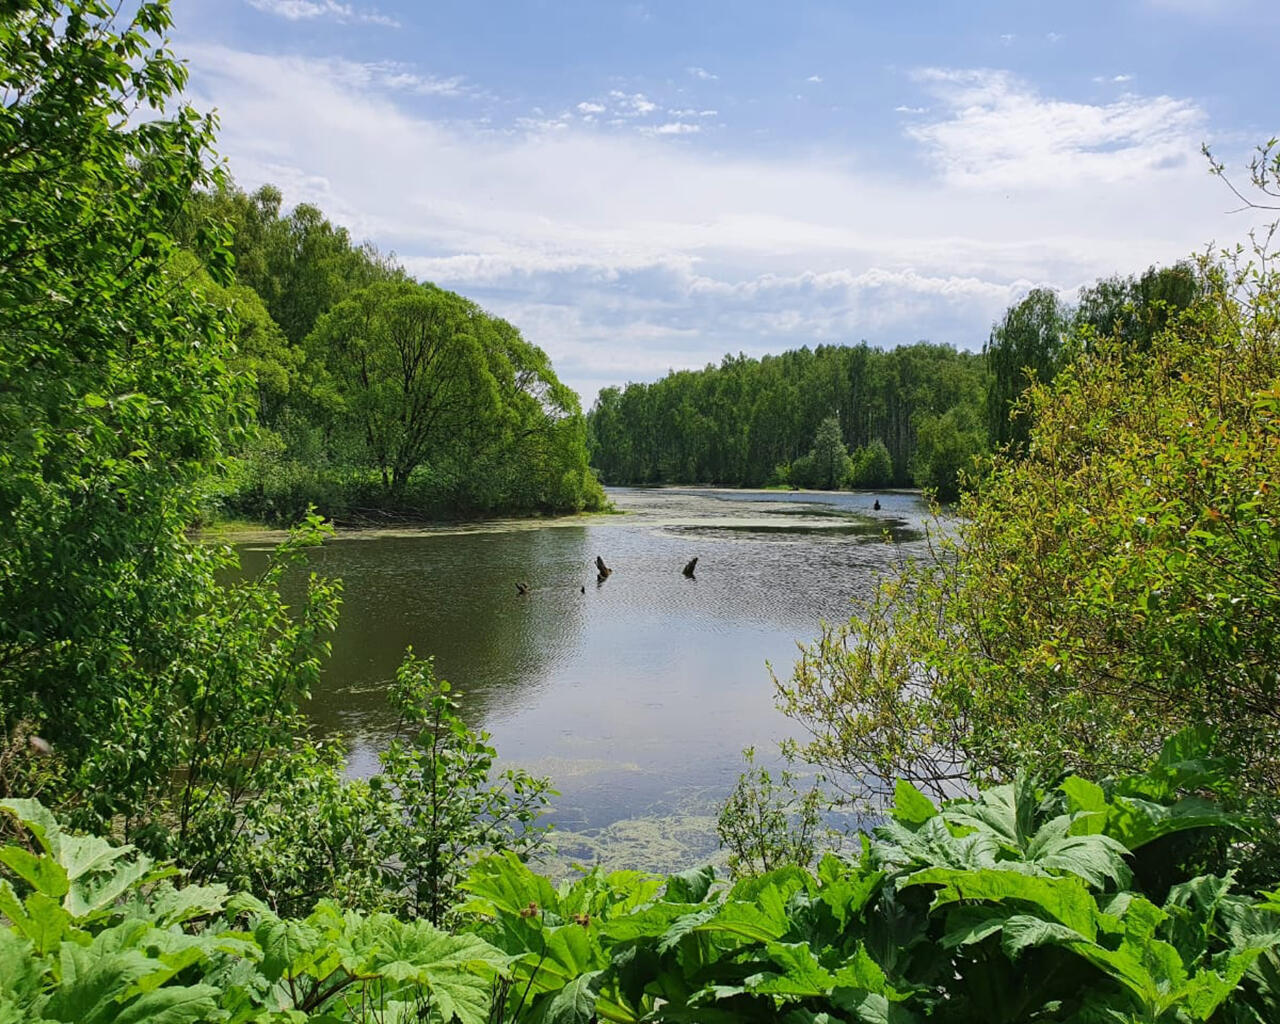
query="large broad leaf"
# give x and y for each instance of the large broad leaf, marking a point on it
(457, 971)
(172, 1005)
(1098, 859)
(1008, 812)
(169, 906)
(93, 896)
(1184, 764)
(502, 884)
(22, 973)
(576, 1002)
(911, 807)
(37, 819)
(1136, 822)
(93, 984)
(42, 873)
(690, 886)
(933, 843)
(1065, 900)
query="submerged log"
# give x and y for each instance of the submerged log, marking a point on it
(688, 569)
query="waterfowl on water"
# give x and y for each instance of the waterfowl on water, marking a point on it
(603, 570)
(876, 505)
(688, 569)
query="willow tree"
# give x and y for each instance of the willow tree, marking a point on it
(428, 382)
(1025, 346)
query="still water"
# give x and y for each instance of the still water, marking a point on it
(636, 695)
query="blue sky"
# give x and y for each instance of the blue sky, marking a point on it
(647, 186)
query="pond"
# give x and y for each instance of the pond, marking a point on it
(636, 694)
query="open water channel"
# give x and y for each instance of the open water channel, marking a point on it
(636, 695)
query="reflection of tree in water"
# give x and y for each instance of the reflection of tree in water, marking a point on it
(452, 596)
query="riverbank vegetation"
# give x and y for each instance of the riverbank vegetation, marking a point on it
(377, 398)
(1061, 733)
(842, 416)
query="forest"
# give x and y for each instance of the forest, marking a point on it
(844, 416)
(375, 397)
(1060, 735)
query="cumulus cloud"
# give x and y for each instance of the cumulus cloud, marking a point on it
(703, 74)
(623, 255)
(307, 10)
(999, 131)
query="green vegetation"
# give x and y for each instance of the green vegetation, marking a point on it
(1104, 609)
(921, 414)
(1073, 901)
(1117, 583)
(751, 422)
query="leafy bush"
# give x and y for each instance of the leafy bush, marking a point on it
(1061, 903)
(1075, 902)
(402, 840)
(100, 934)
(1117, 583)
(871, 466)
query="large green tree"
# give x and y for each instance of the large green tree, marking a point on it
(167, 698)
(1116, 582)
(1027, 345)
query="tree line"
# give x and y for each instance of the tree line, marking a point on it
(374, 393)
(857, 416)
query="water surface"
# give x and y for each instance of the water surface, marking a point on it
(636, 695)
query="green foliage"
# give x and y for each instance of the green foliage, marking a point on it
(872, 466)
(169, 700)
(826, 466)
(767, 823)
(738, 423)
(1022, 903)
(379, 396)
(401, 840)
(1026, 346)
(1117, 584)
(99, 933)
(449, 808)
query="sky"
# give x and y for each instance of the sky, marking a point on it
(641, 187)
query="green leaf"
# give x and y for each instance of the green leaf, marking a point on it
(690, 886)
(576, 1002)
(910, 806)
(1065, 900)
(172, 1005)
(42, 873)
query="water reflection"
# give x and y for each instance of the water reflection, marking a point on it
(637, 694)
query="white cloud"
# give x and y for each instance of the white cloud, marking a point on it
(911, 110)
(622, 254)
(635, 104)
(591, 108)
(1054, 37)
(815, 79)
(1000, 132)
(389, 76)
(305, 10)
(1007, 39)
(676, 128)
(703, 74)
